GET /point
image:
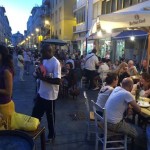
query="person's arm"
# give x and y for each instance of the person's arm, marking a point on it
(56, 81)
(135, 106)
(8, 84)
(56, 76)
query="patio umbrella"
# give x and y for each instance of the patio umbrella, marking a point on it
(55, 42)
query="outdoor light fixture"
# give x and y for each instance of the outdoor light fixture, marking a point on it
(132, 38)
(32, 34)
(46, 22)
(37, 29)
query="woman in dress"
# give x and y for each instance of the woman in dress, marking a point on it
(6, 84)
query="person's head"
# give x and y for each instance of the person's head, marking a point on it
(116, 62)
(47, 51)
(5, 58)
(127, 84)
(145, 79)
(69, 65)
(112, 79)
(122, 67)
(94, 51)
(130, 63)
(103, 60)
(20, 52)
(144, 63)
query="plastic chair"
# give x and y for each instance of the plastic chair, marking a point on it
(90, 118)
(107, 137)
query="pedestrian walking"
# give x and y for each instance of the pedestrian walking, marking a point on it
(27, 60)
(21, 65)
(48, 90)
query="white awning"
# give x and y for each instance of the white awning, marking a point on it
(129, 19)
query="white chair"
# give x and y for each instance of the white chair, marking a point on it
(107, 137)
(90, 118)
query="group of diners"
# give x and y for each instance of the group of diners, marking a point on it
(120, 103)
(97, 69)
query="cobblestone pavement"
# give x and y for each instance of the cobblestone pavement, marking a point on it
(70, 130)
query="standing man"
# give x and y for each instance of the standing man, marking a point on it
(48, 90)
(91, 61)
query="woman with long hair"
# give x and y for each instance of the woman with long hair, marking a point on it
(122, 72)
(6, 83)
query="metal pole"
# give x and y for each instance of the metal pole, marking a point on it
(87, 5)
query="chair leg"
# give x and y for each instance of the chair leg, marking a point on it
(125, 142)
(96, 143)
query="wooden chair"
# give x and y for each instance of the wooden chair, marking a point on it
(107, 137)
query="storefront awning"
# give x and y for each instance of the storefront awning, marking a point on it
(128, 33)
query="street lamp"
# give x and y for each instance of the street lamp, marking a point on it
(37, 30)
(47, 22)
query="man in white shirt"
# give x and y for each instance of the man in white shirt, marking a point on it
(117, 104)
(48, 90)
(91, 61)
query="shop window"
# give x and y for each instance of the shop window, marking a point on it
(108, 7)
(114, 5)
(119, 4)
(104, 7)
(126, 3)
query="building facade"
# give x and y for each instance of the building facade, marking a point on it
(17, 38)
(5, 29)
(87, 13)
(62, 20)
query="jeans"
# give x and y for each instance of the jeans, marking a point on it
(21, 72)
(45, 106)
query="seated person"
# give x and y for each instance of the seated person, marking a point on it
(144, 66)
(70, 75)
(122, 72)
(131, 68)
(117, 104)
(143, 86)
(111, 82)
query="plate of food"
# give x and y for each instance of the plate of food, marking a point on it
(143, 104)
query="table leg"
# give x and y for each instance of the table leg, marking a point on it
(43, 146)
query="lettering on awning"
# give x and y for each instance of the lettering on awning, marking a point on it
(137, 20)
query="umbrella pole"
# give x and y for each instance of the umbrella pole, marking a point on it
(148, 52)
